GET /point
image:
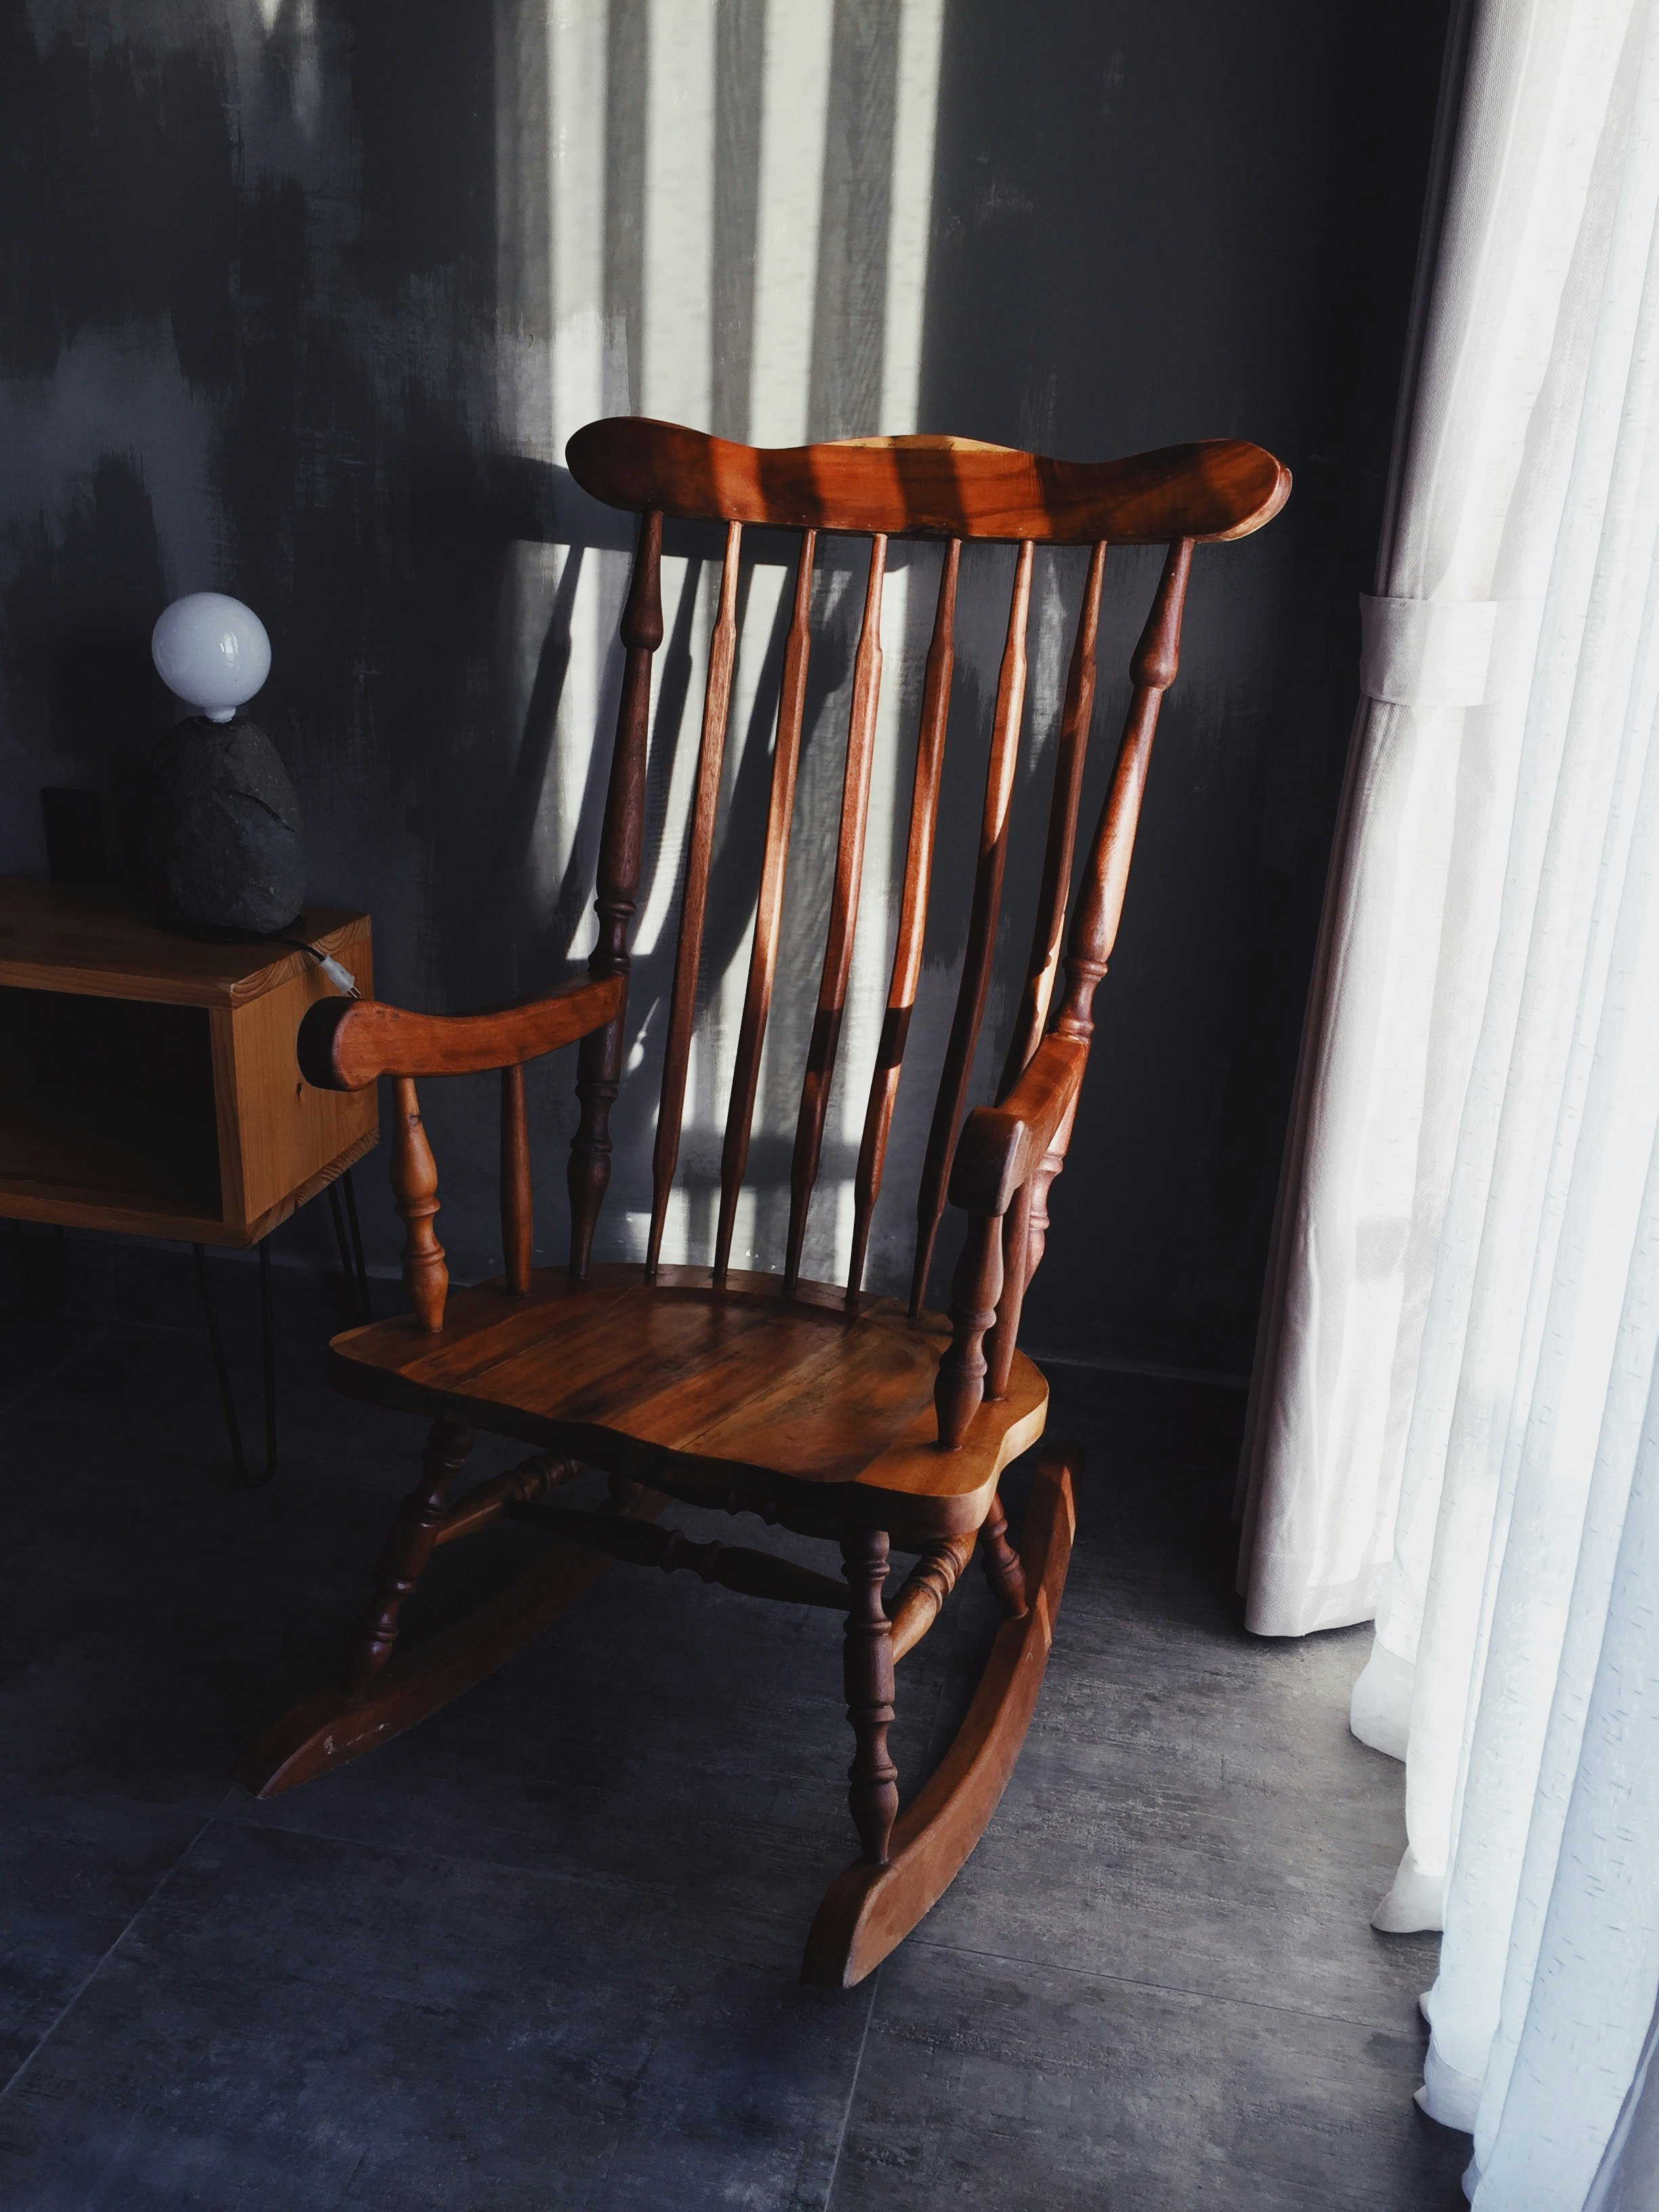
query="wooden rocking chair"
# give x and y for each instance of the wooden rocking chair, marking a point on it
(838, 1415)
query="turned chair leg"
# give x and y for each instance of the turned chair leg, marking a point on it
(868, 1673)
(1001, 1560)
(409, 1546)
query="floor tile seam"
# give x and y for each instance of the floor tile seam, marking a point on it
(852, 2090)
(34, 1831)
(91, 1976)
(1156, 1989)
(581, 1877)
(10, 1405)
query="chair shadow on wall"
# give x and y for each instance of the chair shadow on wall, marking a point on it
(551, 926)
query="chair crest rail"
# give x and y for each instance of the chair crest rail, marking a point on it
(932, 487)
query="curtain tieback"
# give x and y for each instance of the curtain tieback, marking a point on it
(1440, 652)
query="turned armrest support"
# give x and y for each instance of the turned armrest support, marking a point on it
(1001, 1146)
(1007, 1154)
(345, 1044)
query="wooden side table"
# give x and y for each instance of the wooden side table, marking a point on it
(148, 1082)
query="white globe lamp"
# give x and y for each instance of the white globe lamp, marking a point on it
(211, 652)
(224, 839)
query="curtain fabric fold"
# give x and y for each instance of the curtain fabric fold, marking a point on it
(1453, 1427)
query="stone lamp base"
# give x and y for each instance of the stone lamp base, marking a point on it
(224, 842)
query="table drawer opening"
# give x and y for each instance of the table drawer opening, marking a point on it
(108, 1102)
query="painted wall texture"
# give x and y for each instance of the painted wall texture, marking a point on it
(302, 299)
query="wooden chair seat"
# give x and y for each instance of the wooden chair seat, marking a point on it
(789, 1401)
(842, 1415)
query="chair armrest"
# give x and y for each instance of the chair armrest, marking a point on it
(1000, 1145)
(344, 1043)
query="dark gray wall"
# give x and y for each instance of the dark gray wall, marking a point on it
(1158, 221)
(255, 336)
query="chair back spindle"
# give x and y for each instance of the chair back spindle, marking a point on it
(768, 905)
(995, 1271)
(1049, 933)
(518, 1217)
(1106, 878)
(598, 1065)
(843, 916)
(1026, 1221)
(983, 916)
(912, 917)
(694, 901)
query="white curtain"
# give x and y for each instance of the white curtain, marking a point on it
(1455, 1427)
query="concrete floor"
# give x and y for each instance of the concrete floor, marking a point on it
(541, 1952)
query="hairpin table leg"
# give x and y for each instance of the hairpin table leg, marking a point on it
(268, 1348)
(353, 1269)
(360, 1263)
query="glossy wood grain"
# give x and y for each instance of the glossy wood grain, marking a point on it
(1022, 1244)
(975, 1287)
(1025, 1232)
(825, 1039)
(975, 978)
(1000, 1560)
(274, 1132)
(102, 941)
(936, 487)
(598, 1066)
(733, 1566)
(67, 1187)
(132, 1153)
(867, 1679)
(912, 919)
(1004, 1146)
(1054, 891)
(869, 1909)
(1106, 878)
(694, 900)
(720, 1388)
(344, 1044)
(768, 905)
(1019, 1255)
(486, 1501)
(518, 1208)
(925, 1590)
(415, 1193)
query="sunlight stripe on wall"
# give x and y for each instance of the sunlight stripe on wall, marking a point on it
(795, 95)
